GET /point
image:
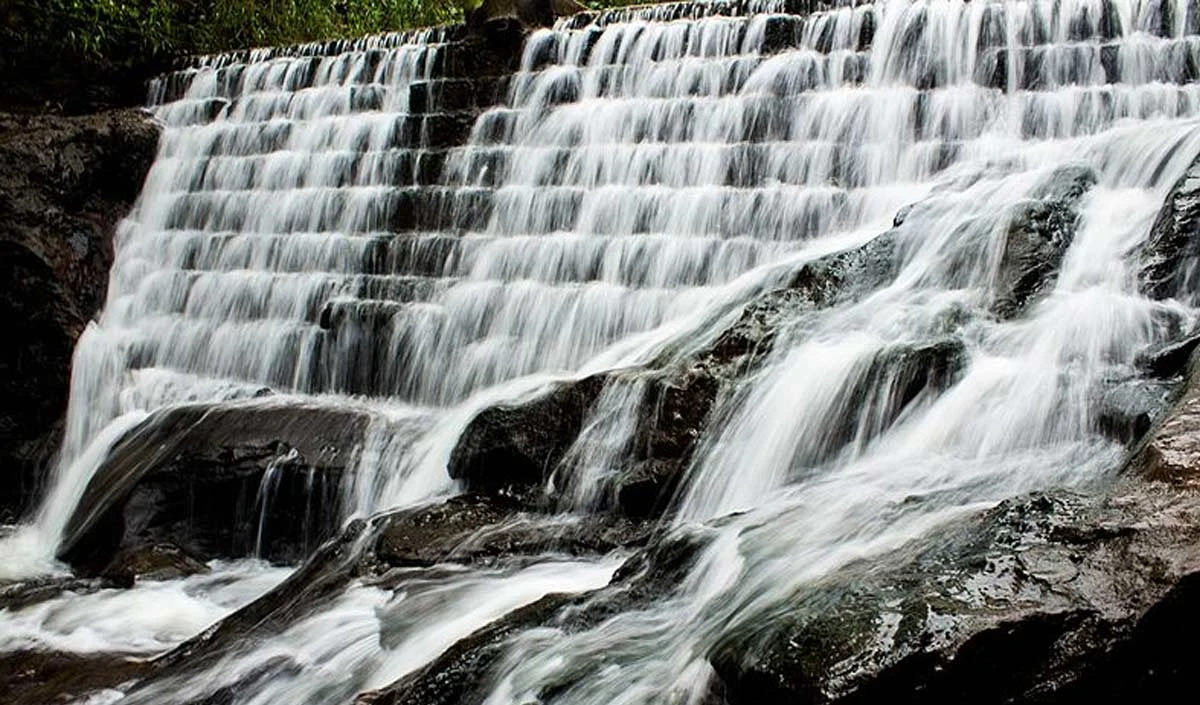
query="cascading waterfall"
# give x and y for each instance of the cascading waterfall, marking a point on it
(650, 172)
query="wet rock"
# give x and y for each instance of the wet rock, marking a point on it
(1050, 598)
(1127, 410)
(151, 562)
(64, 185)
(483, 530)
(461, 675)
(1043, 599)
(510, 450)
(22, 593)
(394, 548)
(898, 376)
(40, 678)
(1169, 260)
(1039, 233)
(1172, 454)
(1171, 359)
(215, 480)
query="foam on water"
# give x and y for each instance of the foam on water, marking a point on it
(146, 619)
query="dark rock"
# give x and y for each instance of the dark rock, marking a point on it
(479, 529)
(151, 562)
(462, 674)
(1039, 233)
(1169, 260)
(1126, 411)
(394, 548)
(15, 595)
(1050, 598)
(880, 393)
(323, 576)
(64, 185)
(510, 450)
(201, 478)
(40, 677)
(1171, 359)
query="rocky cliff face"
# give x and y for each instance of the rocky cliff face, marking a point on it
(65, 182)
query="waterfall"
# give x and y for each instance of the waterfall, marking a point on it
(646, 174)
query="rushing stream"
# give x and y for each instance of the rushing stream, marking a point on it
(650, 172)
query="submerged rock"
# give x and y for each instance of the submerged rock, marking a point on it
(215, 480)
(462, 675)
(64, 185)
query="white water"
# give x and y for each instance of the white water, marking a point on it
(146, 619)
(655, 176)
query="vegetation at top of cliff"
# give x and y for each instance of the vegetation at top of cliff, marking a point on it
(80, 55)
(97, 52)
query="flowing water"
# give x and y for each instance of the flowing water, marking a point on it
(650, 171)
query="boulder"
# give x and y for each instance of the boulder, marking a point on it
(511, 449)
(1169, 260)
(218, 481)
(64, 185)
(1055, 597)
(1171, 359)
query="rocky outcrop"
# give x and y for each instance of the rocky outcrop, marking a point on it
(1051, 598)
(1169, 260)
(64, 184)
(214, 481)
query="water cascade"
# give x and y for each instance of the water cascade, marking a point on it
(309, 236)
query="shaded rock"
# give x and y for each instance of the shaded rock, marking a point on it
(151, 562)
(1039, 233)
(1172, 453)
(22, 593)
(1171, 359)
(64, 185)
(1169, 260)
(1126, 411)
(480, 529)
(214, 480)
(40, 678)
(880, 393)
(1050, 598)
(509, 450)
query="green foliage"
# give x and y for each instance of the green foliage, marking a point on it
(125, 31)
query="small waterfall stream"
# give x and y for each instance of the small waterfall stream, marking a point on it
(647, 174)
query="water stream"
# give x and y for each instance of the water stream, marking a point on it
(650, 172)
